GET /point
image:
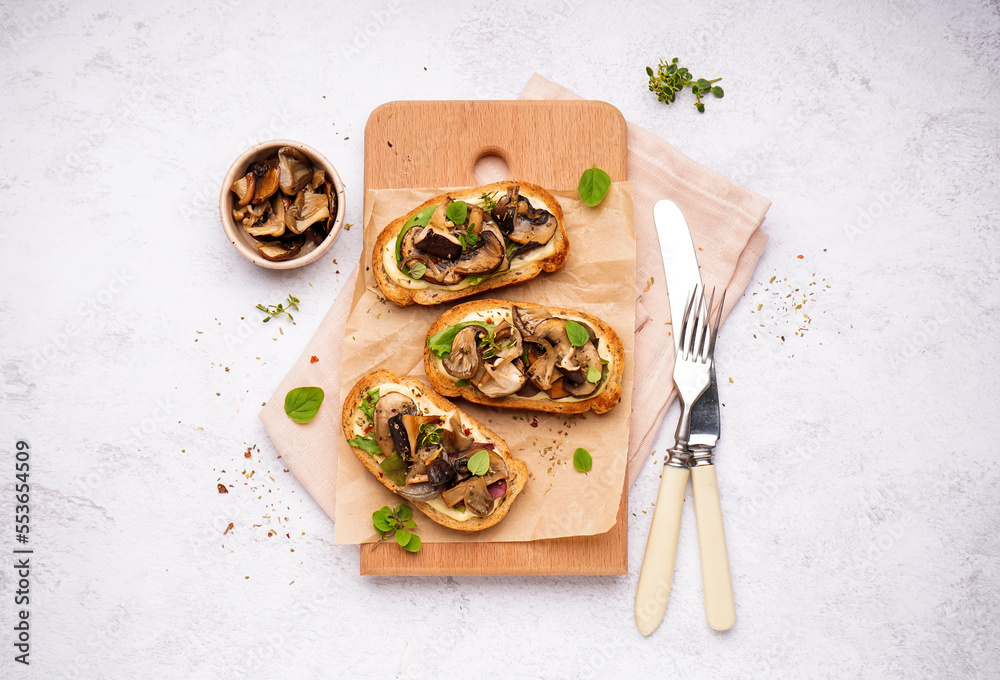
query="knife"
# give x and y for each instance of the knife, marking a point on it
(655, 578)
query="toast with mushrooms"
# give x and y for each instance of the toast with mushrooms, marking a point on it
(522, 355)
(470, 240)
(421, 446)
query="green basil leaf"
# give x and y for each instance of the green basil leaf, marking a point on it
(410, 524)
(593, 374)
(578, 335)
(440, 343)
(413, 545)
(476, 279)
(479, 462)
(302, 403)
(417, 270)
(594, 184)
(366, 444)
(394, 468)
(403, 537)
(582, 460)
(403, 512)
(462, 383)
(418, 220)
(381, 521)
(457, 212)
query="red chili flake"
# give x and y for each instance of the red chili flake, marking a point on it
(489, 320)
(287, 536)
(222, 488)
(534, 422)
(801, 256)
(467, 432)
(248, 454)
(270, 533)
(227, 529)
(313, 359)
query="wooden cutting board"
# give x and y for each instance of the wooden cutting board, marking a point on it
(437, 144)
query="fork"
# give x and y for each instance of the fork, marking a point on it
(694, 345)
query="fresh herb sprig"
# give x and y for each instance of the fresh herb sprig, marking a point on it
(281, 308)
(670, 78)
(489, 200)
(389, 523)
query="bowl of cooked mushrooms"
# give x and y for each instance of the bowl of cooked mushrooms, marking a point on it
(282, 204)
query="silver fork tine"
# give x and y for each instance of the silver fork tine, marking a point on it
(718, 321)
(683, 344)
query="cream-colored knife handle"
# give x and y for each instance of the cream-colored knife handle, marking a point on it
(716, 581)
(657, 571)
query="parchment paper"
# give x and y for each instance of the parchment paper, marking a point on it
(598, 278)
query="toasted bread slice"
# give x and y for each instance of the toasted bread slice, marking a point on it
(404, 291)
(429, 402)
(492, 311)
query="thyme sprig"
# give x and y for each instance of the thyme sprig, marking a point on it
(670, 78)
(281, 308)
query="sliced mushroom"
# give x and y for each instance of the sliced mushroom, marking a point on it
(413, 423)
(389, 405)
(473, 491)
(505, 380)
(267, 180)
(276, 251)
(437, 242)
(400, 442)
(520, 221)
(525, 320)
(485, 258)
(558, 389)
(508, 341)
(554, 330)
(464, 359)
(318, 179)
(441, 472)
(577, 384)
(275, 223)
(420, 492)
(478, 499)
(307, 209)
(542, 370)
(294, 170)
(244, 188)
(459, 439)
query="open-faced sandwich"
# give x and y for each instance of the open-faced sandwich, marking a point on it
(422, 447)
(470, 240)
(522, 355)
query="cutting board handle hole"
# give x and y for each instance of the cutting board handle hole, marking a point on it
(491, 167)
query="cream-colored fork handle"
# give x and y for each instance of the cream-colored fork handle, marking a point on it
(657, 571)
(716, 581)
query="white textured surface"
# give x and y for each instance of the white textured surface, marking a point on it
(858, 468)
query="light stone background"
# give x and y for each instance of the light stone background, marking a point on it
(858, 467)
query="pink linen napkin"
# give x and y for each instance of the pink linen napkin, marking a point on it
(724, 218)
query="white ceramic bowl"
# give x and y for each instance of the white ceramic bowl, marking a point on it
(242, 241)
